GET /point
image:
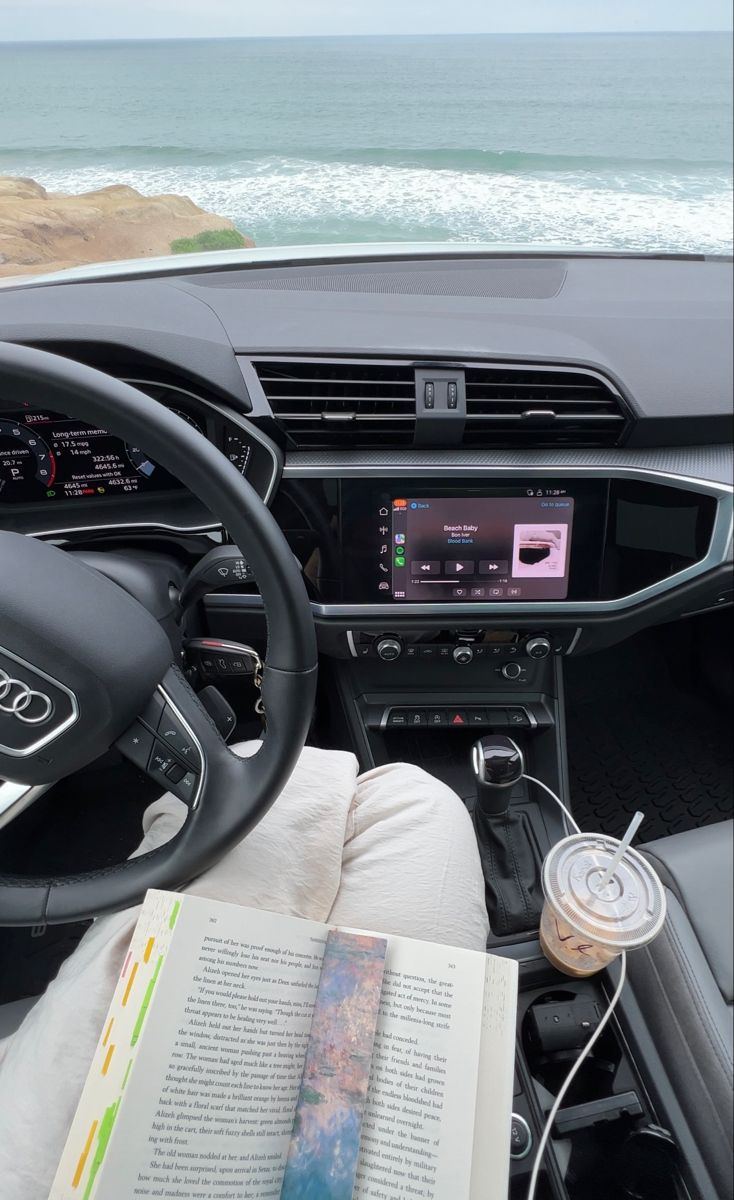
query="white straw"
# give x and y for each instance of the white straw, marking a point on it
(622, 849)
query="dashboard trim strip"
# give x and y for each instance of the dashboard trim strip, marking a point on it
(450, 471)
(158, 525)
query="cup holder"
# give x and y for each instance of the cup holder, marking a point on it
(605, 1133)
(556, 1026)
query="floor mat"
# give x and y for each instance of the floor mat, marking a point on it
(641, 736)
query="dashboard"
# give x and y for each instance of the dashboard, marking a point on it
(450, 445)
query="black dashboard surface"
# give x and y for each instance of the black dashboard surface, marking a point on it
(659, 327)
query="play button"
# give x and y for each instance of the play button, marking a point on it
(459, 567)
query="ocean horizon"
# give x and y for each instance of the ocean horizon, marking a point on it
(620, 141)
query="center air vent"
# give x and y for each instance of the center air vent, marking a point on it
(340, 403)
(368, 404)
(513, 406)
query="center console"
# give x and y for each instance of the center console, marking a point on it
(445, 606)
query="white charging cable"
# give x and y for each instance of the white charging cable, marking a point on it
(572, 1075)
(545, 1136)
(539, 783)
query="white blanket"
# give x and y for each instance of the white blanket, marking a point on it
(393, 851)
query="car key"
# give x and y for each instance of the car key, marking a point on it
(213, 657)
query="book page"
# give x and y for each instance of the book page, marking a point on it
(207, 1113)
(209, 1066)
(491, 1152)
(417, 1130)
(120, 1042)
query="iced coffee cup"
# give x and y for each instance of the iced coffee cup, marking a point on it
(584, 926)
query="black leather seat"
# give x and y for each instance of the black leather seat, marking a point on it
(684, 982)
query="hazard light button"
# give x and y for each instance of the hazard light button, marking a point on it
(457, 717)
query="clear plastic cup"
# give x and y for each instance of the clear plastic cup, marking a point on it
(582, 928)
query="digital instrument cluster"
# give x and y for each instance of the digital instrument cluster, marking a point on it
(45, 456)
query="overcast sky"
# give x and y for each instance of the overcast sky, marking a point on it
(52, 19)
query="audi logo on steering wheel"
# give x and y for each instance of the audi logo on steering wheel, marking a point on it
(21, 701)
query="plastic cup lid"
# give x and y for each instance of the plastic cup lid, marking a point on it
(628, 913)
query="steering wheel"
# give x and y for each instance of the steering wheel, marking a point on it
(83, 666)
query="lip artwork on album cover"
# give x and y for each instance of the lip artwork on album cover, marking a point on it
(324, 1147)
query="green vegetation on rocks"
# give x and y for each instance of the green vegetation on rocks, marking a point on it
(209, 239)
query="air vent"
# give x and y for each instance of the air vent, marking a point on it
(508, 406)
(330, 404)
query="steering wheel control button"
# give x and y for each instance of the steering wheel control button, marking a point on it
(175, 773)
(521, 1139)
(161, 760)
(136, 744)
(173, 736)
(186, 787)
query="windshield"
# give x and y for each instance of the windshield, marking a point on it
(115, 149)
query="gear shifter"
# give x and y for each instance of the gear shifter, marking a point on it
(510, 859)
(498, 765)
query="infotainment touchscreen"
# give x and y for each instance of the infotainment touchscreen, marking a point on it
(452, 542)
(477, 547)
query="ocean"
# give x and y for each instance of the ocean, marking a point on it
(622, 141)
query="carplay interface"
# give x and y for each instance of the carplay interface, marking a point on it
(477, 548)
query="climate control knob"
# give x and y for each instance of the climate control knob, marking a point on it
(389, 648)
(538, 646)
(512, 670)
(463, 655)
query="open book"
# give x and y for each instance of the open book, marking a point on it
(203, 1060)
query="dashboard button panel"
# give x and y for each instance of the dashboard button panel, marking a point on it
(466, 717)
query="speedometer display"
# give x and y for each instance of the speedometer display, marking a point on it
(47, 456)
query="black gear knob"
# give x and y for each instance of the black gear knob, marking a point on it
(498, 765)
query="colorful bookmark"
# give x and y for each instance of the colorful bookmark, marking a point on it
(324, 1146)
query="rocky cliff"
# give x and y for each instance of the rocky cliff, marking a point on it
(44, 231)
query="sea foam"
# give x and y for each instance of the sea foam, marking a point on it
(290, 200)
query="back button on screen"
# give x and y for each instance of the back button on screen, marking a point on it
(425, 567)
